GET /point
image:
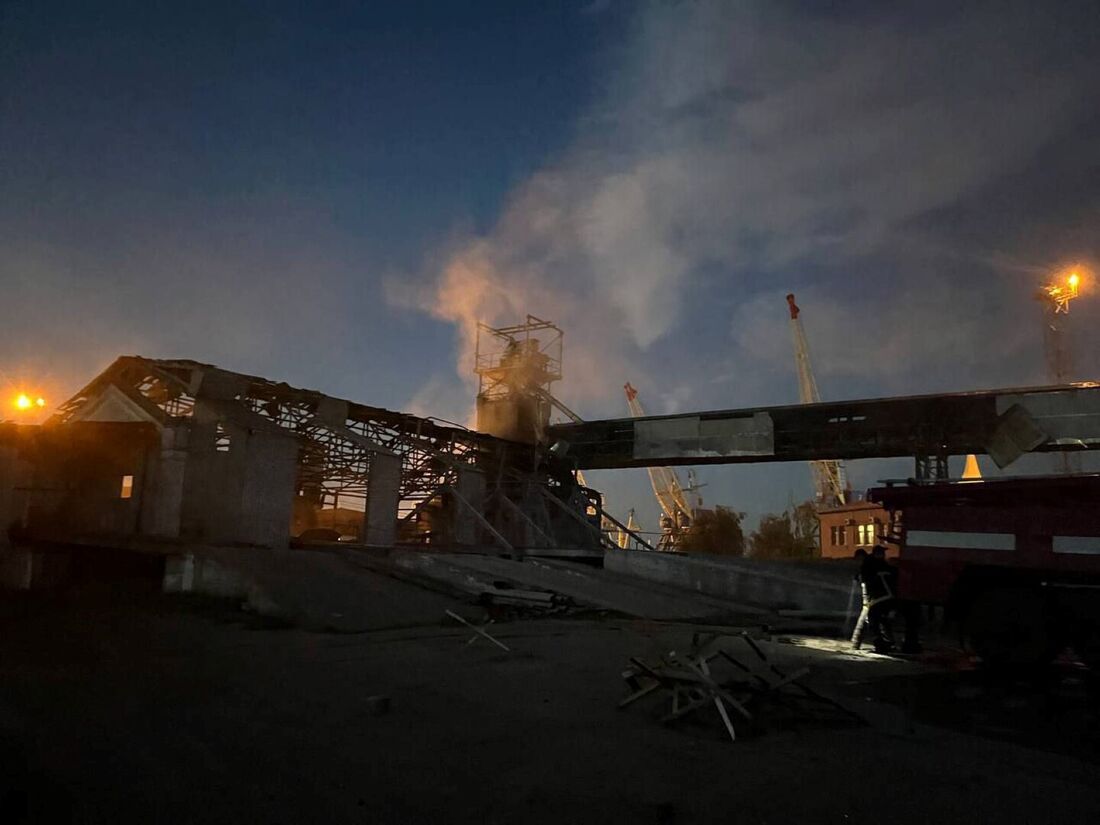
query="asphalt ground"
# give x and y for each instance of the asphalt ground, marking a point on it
(124, 705)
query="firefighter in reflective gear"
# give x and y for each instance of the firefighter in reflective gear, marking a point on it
(861, 622)
(878, 580)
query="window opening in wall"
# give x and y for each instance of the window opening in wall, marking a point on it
(221, 439)
(127, 489)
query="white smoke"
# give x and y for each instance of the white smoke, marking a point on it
(746, 139)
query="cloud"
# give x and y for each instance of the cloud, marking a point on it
(952, 339)
(751, 138)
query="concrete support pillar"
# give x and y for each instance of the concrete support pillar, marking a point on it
(471, 486)
(383, 494)
(162, 497)
(267, 477)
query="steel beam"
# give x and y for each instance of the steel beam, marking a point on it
(1002, 423)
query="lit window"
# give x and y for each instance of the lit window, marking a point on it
(127, 487)
(221, 439)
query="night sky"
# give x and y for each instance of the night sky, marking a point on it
(331, 194)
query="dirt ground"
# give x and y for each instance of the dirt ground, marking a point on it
(138, 707)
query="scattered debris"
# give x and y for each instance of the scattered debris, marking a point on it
(479, 631)
(503, 598)
(746, 689)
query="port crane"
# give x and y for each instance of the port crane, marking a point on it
(830, 479)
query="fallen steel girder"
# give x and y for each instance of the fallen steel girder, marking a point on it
(1003, 423)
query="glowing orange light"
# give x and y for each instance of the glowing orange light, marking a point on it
(40, 402)
(23, 402)
(1061, 292)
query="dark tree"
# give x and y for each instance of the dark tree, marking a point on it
(715, 531)
(784, 536)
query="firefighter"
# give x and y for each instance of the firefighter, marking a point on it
(879, 580)
(861, 622)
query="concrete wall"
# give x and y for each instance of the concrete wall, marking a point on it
(822, 587)
(72, 479)
(267, 491)
(240, 495)
(213, 479)
(92, 481)
(162, 493)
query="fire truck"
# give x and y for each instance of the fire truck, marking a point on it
(1015, 561)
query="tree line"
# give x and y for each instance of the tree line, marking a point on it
(792, 534)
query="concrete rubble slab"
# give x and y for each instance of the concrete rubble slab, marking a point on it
(315, 590)
(584, 585)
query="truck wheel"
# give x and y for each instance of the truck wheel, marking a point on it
(1009, 626)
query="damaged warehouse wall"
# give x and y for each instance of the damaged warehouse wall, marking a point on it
(239, 479)
(205, 455)
(162, 493)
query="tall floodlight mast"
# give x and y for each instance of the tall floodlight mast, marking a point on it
(1055, 298)
(830, 481)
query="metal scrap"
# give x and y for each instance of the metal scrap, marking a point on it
(691, 682)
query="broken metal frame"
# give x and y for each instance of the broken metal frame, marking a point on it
(632, 533)
(692, 685)
(490, 366)
(605, 541)
(338, 437)
(479, 631)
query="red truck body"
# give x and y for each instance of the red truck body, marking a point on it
(1041, 528)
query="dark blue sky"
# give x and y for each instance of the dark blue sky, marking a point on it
(296, 147)
(331, 193)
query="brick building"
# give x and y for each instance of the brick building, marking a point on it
(846, 528)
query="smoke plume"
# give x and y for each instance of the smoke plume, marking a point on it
(734, 145)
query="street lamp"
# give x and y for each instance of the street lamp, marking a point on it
(27, 403)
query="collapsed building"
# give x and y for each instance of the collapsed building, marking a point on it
(155, 452)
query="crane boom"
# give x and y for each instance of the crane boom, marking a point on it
(830, 479)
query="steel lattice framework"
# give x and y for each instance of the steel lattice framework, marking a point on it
(338, 437)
